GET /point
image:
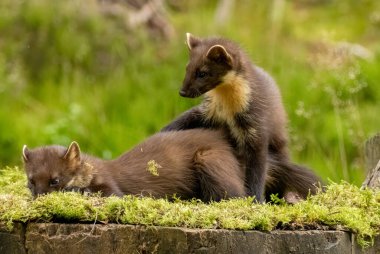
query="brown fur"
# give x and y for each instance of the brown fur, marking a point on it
(244, 101)
(190, 164)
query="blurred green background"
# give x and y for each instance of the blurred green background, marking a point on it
(75, 70)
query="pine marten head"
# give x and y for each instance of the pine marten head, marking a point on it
(55, 168)
(211, 59)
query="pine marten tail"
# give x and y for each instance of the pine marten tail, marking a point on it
(290, 181)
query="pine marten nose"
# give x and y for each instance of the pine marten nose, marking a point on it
(182, 93)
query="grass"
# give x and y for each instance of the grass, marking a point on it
(342, 207)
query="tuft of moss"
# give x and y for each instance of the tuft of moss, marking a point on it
(152, 167)
(341, 206)
(13, 181)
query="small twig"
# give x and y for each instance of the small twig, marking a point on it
(92, 229)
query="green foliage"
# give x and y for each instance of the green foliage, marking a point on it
(70, 72)
(342, 207)
(13, 181)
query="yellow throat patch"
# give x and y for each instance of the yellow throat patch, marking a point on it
(228, 98)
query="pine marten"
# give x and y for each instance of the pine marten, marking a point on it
(190, 164)
(245, 102)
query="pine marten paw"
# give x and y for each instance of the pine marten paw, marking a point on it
(292, 197)
(77, 189)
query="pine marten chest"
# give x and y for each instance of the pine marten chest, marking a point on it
(227, 103)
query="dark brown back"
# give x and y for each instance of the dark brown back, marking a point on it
(176, 156)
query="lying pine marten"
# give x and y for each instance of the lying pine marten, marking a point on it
(189, 164)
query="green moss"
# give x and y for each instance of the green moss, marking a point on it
(13, 181)
(152, 167)
(67, 206)
(342, 206)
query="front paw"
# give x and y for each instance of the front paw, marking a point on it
(83, 190)
(73, 188)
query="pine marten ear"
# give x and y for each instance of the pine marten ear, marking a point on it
(192, 41)
(25, 153)
(72, 155)
(219, 54)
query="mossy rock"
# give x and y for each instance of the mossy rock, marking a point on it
(341, 207)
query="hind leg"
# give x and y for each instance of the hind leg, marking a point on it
(219, 175)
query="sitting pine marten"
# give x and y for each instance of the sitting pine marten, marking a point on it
(189, 164)
(244, 101)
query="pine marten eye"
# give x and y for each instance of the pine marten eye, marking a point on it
(201, 74)
(53, 182)
(31, 182)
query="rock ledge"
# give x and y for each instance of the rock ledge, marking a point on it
(114, 238)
